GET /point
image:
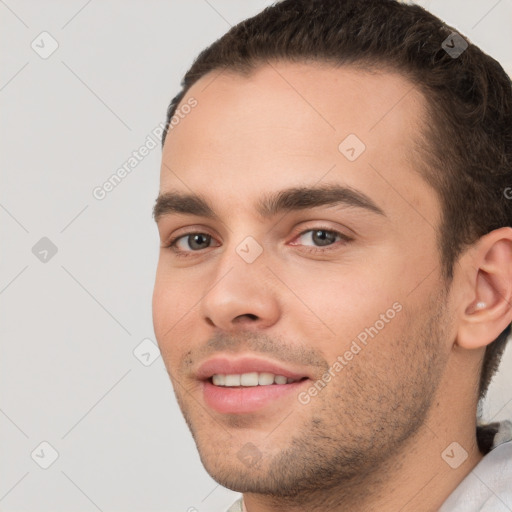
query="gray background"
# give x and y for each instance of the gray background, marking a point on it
(71, 323)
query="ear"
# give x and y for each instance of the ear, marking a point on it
(486, 308)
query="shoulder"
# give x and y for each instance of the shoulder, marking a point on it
(488, 488)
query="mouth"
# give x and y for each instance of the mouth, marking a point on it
(248, 385)
(251, 379)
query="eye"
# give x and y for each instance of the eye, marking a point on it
(190, 242)
(320, 237)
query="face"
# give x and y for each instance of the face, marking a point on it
(312, 255)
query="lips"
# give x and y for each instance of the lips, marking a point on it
(233, 397)
(227, 366)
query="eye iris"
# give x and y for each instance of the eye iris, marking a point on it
(323, 237)
(199, 238)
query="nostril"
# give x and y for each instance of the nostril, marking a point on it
(248, 315)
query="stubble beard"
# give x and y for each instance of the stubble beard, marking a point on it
(357, 425)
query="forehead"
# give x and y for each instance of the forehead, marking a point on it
(286, 124)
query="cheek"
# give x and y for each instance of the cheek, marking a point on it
(337, 304)
(171, 307)
(334, 293)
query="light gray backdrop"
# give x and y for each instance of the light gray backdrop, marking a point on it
(84, 393)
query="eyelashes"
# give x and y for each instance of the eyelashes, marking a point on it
(322, 234)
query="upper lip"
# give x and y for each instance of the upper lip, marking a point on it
(229, 366)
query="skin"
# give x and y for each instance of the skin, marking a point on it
(372, 438)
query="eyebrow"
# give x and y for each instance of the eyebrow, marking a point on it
(287, 200)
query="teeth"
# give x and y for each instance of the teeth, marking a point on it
(219, 379)
(232, 380)
(264, 379)
(250, 379)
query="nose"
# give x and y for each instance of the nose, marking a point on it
(241, 295)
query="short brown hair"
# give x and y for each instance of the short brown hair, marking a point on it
(468, 155)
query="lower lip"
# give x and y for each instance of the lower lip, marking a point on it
(242, 399)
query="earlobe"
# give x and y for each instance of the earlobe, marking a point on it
(489, 288)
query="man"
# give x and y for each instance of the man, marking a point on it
(333, 293)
